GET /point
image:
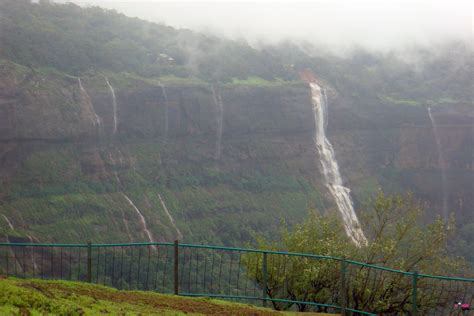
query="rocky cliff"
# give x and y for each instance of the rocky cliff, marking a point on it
(213, 162)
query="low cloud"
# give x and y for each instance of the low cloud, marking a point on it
(335, 24)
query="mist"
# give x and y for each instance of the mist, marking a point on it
(337, 25)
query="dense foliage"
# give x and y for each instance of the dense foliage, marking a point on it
(83, 41)
(74, 40)
(439, 75)
(395, 240)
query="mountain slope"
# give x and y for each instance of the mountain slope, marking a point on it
(103, 137)
(35, 297)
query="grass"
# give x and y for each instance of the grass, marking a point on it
(39, 297)
(396, 101)
(260, 82)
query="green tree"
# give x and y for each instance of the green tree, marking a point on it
(395, 240)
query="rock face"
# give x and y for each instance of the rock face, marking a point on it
(395, 148)
(60, 169)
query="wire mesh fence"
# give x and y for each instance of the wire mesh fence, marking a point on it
(281, 280)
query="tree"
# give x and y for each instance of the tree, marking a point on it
(396, 240)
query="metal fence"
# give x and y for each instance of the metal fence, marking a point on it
(282, 280)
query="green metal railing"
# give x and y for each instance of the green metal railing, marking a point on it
(284, 280)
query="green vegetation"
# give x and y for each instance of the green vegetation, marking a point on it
(440, 76)
(67, 191)
(395, 240)
(54, 198)
(75, 40)
(392, 100)
(259, 82)
(35, 297)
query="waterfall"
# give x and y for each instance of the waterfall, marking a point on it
(96, 119)
(119, 183)
(114, 105)
(163, 90)
(441, 163)
(32, 254)
(13, 255)
(330, 168)
(10, 225)
(142, 218)
(219, 118)
(178, 232)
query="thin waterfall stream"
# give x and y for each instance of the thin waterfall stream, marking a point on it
(114, 105)
(179, 235)
(330, 168)
(117, 180)
(32, 253)
(142, 218)
(96, 119)
(219, 119)
(9, 223)
(163, 90)
(441, 163)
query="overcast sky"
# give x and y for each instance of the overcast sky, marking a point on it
(379, 24)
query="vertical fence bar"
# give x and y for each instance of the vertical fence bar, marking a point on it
(89, 262)
(176, 268)
(343, 286)
(415, 294)
(265, 279)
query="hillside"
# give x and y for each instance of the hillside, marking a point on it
(35, 297)
(104, 138)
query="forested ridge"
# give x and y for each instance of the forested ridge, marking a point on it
(46, 46)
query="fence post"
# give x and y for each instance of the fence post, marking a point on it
(89, 262)
(343, 288)
(415, 294)
(176, 268)
(265, 279)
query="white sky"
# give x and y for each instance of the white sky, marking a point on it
(378, 24)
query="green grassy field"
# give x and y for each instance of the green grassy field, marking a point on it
(38, 297)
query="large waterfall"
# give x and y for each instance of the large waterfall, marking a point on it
(96, 119)
(114, 105)
(219, 120)
(142, 218)
(178, 232)
(330, 168)
(163, 90)
(441, 164)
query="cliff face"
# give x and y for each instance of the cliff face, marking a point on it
(64, 175)
(395, 147)
(226, 160)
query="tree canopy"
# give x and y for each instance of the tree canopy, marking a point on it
(395, 240)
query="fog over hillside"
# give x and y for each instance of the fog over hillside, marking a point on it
(144, 143)
(337, 25)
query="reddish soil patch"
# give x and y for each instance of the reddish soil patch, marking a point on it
(308, 76)
(185, 305)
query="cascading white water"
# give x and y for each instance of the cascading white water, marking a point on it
(114, 105)
(178, 232)
(96, 119)
(119, 183)
(219, 118)
(441, 163)
(330, 168)
(163, 90)
(9, 223)
(142, 218)
(32, 254)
